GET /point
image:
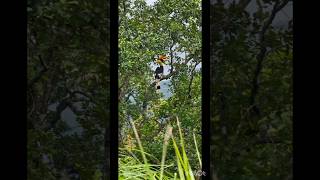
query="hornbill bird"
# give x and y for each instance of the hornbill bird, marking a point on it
(159, 70)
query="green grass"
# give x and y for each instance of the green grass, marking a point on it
(130, 167)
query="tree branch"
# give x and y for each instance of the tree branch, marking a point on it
(262, 54)
(243, 4)
(85, 95)
(121, 92)
(40, 74)
(171, 57)
(191, 79)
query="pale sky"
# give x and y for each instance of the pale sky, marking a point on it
(150, 2)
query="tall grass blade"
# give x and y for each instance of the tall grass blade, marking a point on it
(198, 154)
(164, 151)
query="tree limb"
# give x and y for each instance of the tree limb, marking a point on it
(191, 79)
(121, 92)
(243, 4)
(40, 74)
(262, 54)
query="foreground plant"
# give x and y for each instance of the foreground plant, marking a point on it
(130, 167)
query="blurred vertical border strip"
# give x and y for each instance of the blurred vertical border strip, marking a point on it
(113, 5)
(206, 88)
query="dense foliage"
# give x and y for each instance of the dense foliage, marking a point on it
(171, 27)
(251, 91)
(68, 89)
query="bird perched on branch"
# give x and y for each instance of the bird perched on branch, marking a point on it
(159, 70)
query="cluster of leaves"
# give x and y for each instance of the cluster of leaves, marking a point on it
(68, 89)
(251, 91)
(171, 27)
